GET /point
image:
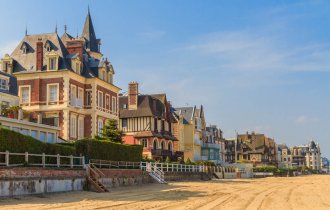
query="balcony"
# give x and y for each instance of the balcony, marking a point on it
(76, 102)
(108, 111)
(197, 141)
(211, 145)
(161, 152)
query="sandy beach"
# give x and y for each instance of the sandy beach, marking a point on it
(306, 192)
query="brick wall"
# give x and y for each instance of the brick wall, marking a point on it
(6, 173)
(109, 92)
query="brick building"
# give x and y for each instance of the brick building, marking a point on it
(65, 81)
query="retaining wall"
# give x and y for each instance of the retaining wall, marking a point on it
(29, 181)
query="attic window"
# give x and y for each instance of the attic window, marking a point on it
(24, 49)
(48, 46)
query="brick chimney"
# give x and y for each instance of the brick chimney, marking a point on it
(75, 46)
(40, 55)
(133, 92)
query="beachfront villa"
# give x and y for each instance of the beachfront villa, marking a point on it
(147, 120)
(64, 81)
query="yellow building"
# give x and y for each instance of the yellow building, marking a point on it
(189, 129)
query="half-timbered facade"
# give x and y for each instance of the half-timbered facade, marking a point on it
(65, 81)
(146, 120)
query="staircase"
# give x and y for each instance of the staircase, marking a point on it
(156, 173)
(93, 176)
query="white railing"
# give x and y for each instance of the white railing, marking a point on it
(61, 161)
(109, 111)
(115, 164)
(169, 167)
(155, 173)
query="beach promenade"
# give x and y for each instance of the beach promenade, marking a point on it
(305, 192)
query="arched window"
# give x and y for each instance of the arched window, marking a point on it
(154, 146)
(169, 146)
(163, 145)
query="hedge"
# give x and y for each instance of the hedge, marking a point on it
(15, 142)
(107, 150)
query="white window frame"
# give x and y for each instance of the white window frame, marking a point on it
(88, 99)
(6, 85)
(73, 125)
(21, 96)
(80, 95)
(80, 127)
(107, 101)
(48, 92)
(55, 63)
(98, 99)
(100, 126)
(73, 94)
(114, 104)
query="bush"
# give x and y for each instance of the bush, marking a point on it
(15, 142)
(107, 150)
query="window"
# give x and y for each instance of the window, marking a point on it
(100, 99)
(80, 128)
(124, 106)
(73, 95)
(52, 63)
(110, 78)
(124, 123)
(42, 136)
(4, 84)
(88, 98)
(25, 131)
(169, 146)
(51, 138)
(100, 126)
(53, 92)
(77, 67)
(80, 97)
(114, 105)
(144, 143)
(25, 94)
(104, 75)
(5, 66)
(162, 145)
(34, 134)
(73, 126)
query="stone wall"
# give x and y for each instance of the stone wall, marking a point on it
(29, 181)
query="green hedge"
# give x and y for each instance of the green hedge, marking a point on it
(107, 150)
(15, 142)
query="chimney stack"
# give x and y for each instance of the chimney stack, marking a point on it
(40, 55)
(133, 92)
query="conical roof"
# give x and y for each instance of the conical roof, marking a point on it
(88, 34)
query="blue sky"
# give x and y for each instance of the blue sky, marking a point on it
(254, 65)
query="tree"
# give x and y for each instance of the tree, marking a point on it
(111, 132)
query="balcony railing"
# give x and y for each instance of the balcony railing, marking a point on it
(109, 111)
(197, 141)
(211, 145)
(162, 152)
(76, 102)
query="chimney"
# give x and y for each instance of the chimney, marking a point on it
(133, 92)
(40, 55)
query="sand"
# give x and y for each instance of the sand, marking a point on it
(305, 192)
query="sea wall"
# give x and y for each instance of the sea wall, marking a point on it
(114, 178)
(29, 181)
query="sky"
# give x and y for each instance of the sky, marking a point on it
(259, 66)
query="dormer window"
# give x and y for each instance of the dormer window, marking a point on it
(24, 49)
(48, 46)
(7, 64)
(52, 61)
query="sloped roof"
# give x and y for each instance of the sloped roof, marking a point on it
(27, 62)
(186, 112)
(148, 106)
